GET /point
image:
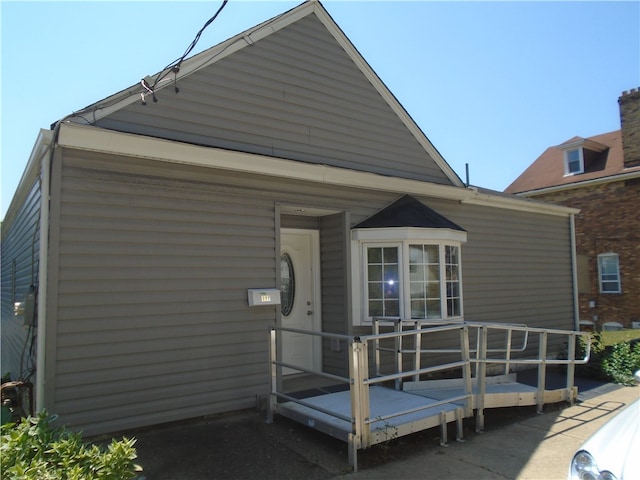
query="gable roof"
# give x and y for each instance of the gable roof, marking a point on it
(247, 56)
(547, 171)
(407, 212)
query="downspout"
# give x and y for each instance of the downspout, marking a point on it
(45, 174)
(574, 273)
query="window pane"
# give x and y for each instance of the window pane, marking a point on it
(417, 290)
(416, 273)
(609, 270)
(416, 254)
(391, 308)
(424, 272)
(418, 309)
(390, 255)
(433, 309)
(573, 161)
(374, 255)
(391, 290)
(432, 254)
(433, 291)
(383, 288)
(375, 290)
(391, 274)
(287, 284)
(375, 308)
(453, 307)
(375, 273)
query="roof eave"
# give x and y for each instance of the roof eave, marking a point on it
(30, 173)
(585, 183)
(89, 138)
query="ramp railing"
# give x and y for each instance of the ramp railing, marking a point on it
(427, 351)
(362, 378)
(494, 347)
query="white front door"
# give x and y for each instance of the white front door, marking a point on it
(300, 283)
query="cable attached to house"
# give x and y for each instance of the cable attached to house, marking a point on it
(174, 67)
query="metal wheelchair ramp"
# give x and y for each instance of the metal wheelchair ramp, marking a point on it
(391, 391)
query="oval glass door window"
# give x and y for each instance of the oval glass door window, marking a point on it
(287, 284)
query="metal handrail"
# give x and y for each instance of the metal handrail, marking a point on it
(360, 382)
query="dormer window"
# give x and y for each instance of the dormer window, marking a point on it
(582, 155)
(573, 161)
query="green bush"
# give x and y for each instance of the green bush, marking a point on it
(611, 363)
(34, 450)
(621, 363)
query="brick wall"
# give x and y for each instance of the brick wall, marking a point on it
(630, 125)
(609, 221)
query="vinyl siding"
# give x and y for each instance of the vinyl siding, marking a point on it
(294, 94)
(516, 266)
(153, 266)
(334, 255)
(151, 323)
(20, 264)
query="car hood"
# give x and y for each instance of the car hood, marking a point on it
(616, 445)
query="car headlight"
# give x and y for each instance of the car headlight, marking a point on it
(584, 467)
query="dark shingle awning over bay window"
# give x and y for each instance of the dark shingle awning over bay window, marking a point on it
(408, 212)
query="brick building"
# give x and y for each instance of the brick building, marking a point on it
(599, 175)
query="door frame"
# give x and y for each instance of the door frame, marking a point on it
(316, 294)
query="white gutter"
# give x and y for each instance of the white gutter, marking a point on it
(585, 183)
(96, 139)
(45, 179)
(574, 274)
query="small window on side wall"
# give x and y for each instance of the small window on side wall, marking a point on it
(609, 273)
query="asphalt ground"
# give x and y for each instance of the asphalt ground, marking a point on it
(517, 443)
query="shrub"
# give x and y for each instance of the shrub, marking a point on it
(612, 363)
(621, 363)
(34, 450)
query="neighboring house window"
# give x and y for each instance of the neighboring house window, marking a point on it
(573, 161)
(407, 276)
(609, 273)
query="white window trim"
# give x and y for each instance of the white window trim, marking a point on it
(604, 255)
(401, 237)
(568, 173)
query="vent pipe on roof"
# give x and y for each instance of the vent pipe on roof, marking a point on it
(466, 167)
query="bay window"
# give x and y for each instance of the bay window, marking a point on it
(408, 273)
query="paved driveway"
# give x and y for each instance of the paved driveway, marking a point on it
(517, 443)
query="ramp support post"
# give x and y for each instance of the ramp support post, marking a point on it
(272, 401)
(443, 429)
(542, 371)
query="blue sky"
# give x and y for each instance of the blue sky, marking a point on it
(491, 84)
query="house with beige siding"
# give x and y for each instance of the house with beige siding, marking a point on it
(283, 166)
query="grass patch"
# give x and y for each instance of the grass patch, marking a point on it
(609, 337)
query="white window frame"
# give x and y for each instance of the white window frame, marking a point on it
(402, 237)
(602, 281)
(567, 170)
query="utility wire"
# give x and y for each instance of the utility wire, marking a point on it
(175, 65)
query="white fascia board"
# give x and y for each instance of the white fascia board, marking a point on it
(31, 172)
(586, 183)
(242, 40)
(532, 206)
(409, 233)
(83, 137)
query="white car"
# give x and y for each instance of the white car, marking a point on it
(613, 451)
